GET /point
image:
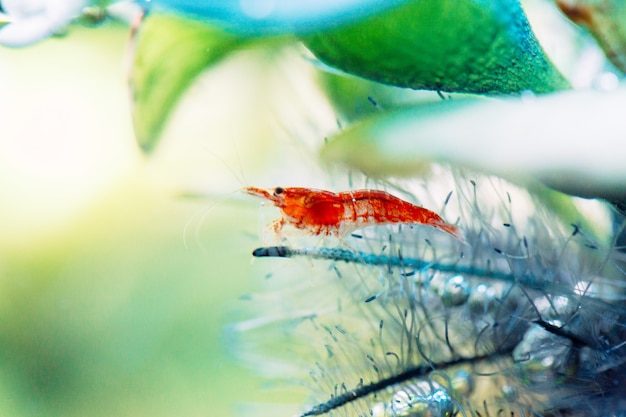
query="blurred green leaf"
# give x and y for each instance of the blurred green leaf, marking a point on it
(4, 20)
(474, 46)
(567, 140)
(171, 52)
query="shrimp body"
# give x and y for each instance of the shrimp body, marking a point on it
(327, 213)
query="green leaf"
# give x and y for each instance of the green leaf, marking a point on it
(473, 46)
(171, 52)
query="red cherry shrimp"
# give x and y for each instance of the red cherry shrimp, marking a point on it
(327, 213)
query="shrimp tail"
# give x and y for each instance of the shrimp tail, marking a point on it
(452, 230)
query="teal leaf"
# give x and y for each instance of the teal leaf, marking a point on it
(263, 17)
(472, 46)
(171, 51)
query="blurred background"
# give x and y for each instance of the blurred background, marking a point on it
(119, 272)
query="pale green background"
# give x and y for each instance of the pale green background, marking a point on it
(115, 291)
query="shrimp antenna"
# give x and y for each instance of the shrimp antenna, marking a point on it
(201, 215)
(241, 176)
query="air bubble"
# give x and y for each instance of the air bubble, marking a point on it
(462, 382)
(456, 291)
(482, 299)
(509, 392)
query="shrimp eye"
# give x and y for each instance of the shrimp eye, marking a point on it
(278, 190)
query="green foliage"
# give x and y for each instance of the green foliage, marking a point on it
(171, 51)
(470, 46)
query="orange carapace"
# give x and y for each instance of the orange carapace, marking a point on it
(327, 213)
